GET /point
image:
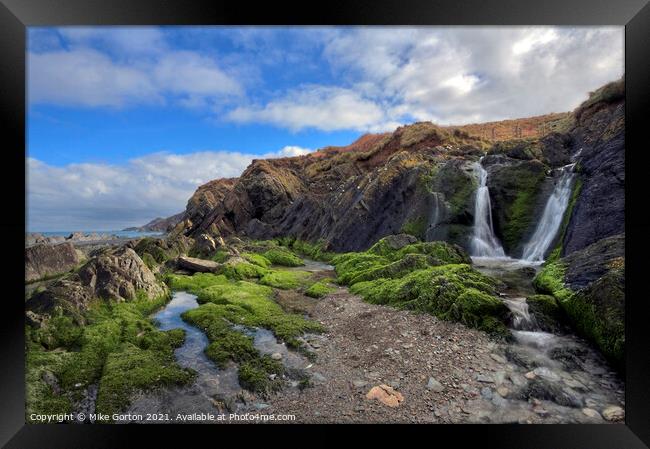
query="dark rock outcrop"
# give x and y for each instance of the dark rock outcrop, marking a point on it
(416, 180)
(44, 260)
(593, 262)
(599, 137)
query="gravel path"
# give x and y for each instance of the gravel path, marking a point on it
(368, 345)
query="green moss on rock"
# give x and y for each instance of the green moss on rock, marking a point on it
(320, 289)
(285, 280)
(243, 270)
(281, 256)
(130, 369)
(597, 312)
(452, 292)
(257, 259)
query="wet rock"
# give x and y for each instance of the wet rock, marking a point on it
(386, 395)
(434, 385)
(522, 356)
(47, 260)
(543, 389)
(570, 357)
(547, 374)
(517, 379)
(590, 412)
(614, 413)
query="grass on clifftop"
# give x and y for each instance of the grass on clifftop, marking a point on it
(432, 277)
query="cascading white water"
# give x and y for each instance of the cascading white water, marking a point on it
(436, 215)
(549, 223)
(520, 314)
(484, 242)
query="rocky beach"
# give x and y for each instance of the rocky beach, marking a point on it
(427, 275)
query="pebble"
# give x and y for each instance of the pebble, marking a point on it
(276, 356)
(546, 373)
(359, 383)
(518, 379)
(318, 377)
(486, 392)
(590, 412)
(485, 378)
(503, 391)
(530, 375)
(614, 413)
(499, 359)
(434, 385)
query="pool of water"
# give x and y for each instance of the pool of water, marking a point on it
(212, 388)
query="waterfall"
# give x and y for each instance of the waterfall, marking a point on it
(436, 215)
(520, 314)
(551, 219)
(484, 242)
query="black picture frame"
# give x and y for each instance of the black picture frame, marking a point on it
(16, 15)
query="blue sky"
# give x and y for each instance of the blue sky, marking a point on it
(125, 122)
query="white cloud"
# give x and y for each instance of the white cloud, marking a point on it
(290, 151)
(321, 107)
(87, 78)
(373, 77)
(110, 197)
(465, 74)
(84, 76)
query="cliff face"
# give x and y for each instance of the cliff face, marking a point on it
(599, 136)
(419, 180)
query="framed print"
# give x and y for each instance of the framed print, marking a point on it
(414, 213)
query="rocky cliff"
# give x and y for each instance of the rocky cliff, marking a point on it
(159, 224)
(412, 180)
(419, 179)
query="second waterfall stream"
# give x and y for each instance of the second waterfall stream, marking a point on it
(551, 218)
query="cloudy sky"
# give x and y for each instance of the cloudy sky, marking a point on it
(124, 123)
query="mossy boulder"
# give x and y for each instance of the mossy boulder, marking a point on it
(453, 292)
(284, 257)
(395, 256)
(596, 310)
(320, 289)
(546, 311)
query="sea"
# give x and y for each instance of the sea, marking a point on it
(123, 234)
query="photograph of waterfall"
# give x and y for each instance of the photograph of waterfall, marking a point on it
(325, 224)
